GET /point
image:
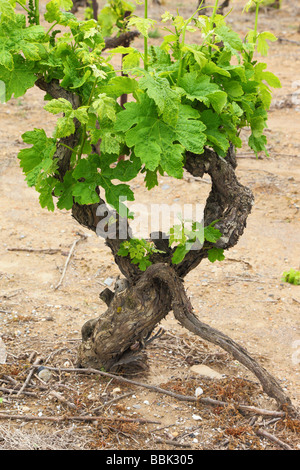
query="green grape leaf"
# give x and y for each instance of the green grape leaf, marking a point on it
(53, 9)
(258, 144)
(155, 142)
(230, 39)
(262, 44)
(81, 114)
(143, 25)
(131, 56)
(6, 59)
(107, 18)
(6, 9)
(151, 179)
(179, 253)
(118, 86)
(86, 171)
(190, 130)
(75, 76)
(38, 158)
(54, 14)
(166, 99)
(31, 51)
(197, 88)
(60, 105)
(110, 142)
(269, 77)
(115, 194)
(144, 263)
(233, 88)
(45, 187)
(144, 131)
(199, 56)
(218, 100)
(18, 80)
(212, 234)
(85, 192)
(105, 107)
(125, 170)
(210, 68)
(64, 191)
(218, 139)
(215, 254)
(64, 127)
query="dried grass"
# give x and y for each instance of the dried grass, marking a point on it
(12, 438)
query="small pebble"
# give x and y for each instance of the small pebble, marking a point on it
(108, 281)
(198, 392)
(45, 374)
(197, 417)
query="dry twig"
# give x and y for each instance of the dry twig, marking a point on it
(58, 396)
(204, 400)
(82, 237)
(47, 251)
(272, 438)
(32, 371)
(172, 442)
(60, 419)
(11, 391)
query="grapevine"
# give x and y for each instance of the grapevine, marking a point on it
(187, 97)
(189, 103)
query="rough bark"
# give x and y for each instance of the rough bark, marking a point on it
(123, 40)
(118, 336)
(229, 202)
(77, 4)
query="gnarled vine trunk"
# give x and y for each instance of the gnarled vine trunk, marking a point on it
(117, 337)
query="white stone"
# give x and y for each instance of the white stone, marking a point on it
(3, 353)
(45, 375)
(206, 371)
(197, 418)
(198, 392)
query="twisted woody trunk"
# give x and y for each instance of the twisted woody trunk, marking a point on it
(117, 337)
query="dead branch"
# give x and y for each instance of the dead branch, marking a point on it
(119, 378)
(172, 442)
(112, 401)
(123, 40)
(59, 397)
(272, 438)
(47, 251)
(187, 398)
(290, 41)
(60, 419)
(11, 391)
(36, 364)
(183, 312)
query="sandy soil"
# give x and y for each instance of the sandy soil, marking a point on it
(243, 296)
